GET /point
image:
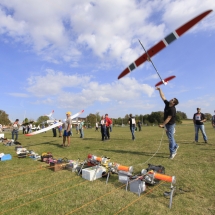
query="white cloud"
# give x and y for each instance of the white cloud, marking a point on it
(74, 90)
(53, 83)
(179, 12)
(24, 95)
(92, 38)
(63, 30)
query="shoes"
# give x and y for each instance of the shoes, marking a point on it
(172, 156)
(195, 141)
(206, 141)
(176, 149)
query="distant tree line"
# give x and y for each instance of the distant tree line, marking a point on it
(149, 119)
(91, 119)
(4, 118)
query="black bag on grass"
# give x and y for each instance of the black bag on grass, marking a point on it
(159, 169)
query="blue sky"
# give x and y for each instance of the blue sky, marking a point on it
(67, 55)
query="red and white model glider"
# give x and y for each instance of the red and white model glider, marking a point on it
(161, 45)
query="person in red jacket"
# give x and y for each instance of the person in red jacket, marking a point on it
(108, 124)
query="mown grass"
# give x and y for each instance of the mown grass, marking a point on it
(28, 187)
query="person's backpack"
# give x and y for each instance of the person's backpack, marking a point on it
(159, 169)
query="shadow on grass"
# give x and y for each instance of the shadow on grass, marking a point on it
(208, 148)
(185, 142)
(44, 143)
(138, 153)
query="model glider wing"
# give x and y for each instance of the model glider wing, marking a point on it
(53, 126)
(163, 43)
(44, 129)
(77, 114)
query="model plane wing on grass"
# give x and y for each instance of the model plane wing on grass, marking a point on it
(54, 125)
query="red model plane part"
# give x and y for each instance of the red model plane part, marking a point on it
(163, 43)
(165, 80)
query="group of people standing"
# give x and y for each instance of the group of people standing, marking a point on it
(26, 129)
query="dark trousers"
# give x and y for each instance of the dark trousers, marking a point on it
(54, 132)
(103, 132)
(107, 132)
(15, 134)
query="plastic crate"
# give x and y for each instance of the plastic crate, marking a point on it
(137, 186)
(93, 173)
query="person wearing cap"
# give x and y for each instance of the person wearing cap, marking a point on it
(198, 121)
(67, 129)
(15, 129)
(169, 122)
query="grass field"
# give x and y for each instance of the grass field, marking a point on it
(28, 187)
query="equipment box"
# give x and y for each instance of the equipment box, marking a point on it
(57, 166)
(6, 157)
(137, 186)
(123, 178)
(93, 173)
(1, 135)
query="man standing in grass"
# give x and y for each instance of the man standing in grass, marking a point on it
(108, 124)
(67, 129)
(198, 121)
(15, 129)
(81, 129)
(132, 124)
(103, 128)
(169, 122)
